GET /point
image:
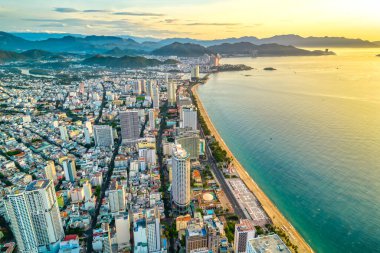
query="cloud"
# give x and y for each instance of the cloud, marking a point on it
(170, 20)
(54, 24)
(91, 11)
(104, 26)
(212, 24)
(65, 10)
(144, 14)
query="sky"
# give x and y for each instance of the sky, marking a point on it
(201, 19)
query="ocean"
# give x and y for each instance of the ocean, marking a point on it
(309, 134)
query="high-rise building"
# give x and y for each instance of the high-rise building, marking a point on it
(69, 168)
(88, 125)
(189, 140)
(156, 96)
(136, 87)
(87, 188)
(21, 222)
(107, 243)
(244, 231)
(139, 236)
(196, 237)
(153, 229)
(214, 60)
(63, 132)
(184, 101)
(149, 155)
(129, 123)
(213, 234)
(195, 73)
(50, 172)
(152, 119)
(189, 117)
(87, 135)
(81, 88)
(123, 226)
(116, 197)
(181, 179)
(143, 86)
(172, 94)
(103, 136)
(149, 87)
(34, 217)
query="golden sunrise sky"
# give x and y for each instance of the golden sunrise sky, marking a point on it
(203, 19)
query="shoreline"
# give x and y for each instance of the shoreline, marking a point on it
(269, 207)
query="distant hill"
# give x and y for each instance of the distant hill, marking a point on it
(13, 43)
(36, 54)
(299, 41)
(124, 62)
(9, 56)
(89, 44)
(121, 52)
(182, 50)
(247, 48)
(34, 36)
(291, 39)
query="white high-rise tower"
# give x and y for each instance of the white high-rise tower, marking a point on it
(156, 96)
(181, 179)
(172, 96)
(189, 117)
(34, 216)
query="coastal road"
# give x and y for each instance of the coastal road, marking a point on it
(222, 181)
(218, 173)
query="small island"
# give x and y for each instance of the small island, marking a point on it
(269, 69)
(230, 67)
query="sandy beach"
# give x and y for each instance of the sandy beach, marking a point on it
(278, 219)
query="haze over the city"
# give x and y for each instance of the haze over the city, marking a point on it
(200, 19)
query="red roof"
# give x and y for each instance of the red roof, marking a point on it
(71, 237)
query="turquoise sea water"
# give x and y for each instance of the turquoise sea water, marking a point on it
(309, 135)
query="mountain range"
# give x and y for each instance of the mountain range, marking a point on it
(247, 48)
(136, 45)
(286, 40)
(118, 47)
(182, 50)
(111, 51)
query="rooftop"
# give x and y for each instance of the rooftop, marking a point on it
(268, 244)
(179, 152)
(37, 184)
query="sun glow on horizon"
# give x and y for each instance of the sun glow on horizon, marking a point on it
(209, 19)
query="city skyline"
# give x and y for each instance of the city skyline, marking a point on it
(196, 19)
